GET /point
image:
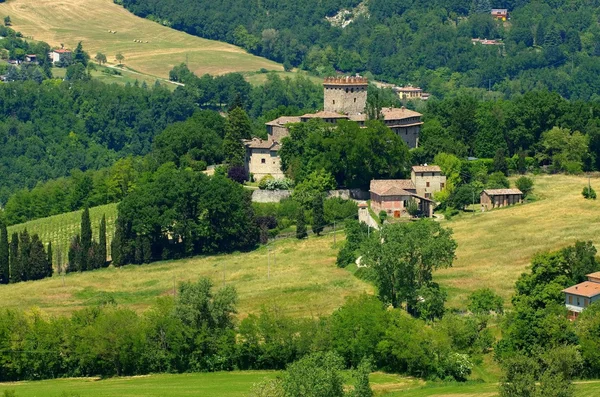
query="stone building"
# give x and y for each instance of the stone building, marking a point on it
(277, 128)
(428, 179)
(393, 195)
(496, 198)
(262, 158)
(345, 95)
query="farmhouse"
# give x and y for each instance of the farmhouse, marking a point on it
(428, 179)
(277, 128)
(262, 158)
(393, 196)
(492, 198)
(500, 13)
(580, 296)
(59, 55)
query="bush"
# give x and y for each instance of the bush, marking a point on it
(456, 366)
(268, 182)
(238, 174)
(382, 216)
(338, 209)
(484, 301)
(319, 374)
(497, 181)
(589, 193)
(264, 181)
(525, 185)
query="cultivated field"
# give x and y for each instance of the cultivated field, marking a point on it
(60, 229)
(239, 384)
(89, 21)
(299, 276)
(494, 248)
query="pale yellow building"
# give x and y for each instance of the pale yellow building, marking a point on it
(428, 179)
(262, 158)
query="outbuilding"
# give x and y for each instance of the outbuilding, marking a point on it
(495, 198)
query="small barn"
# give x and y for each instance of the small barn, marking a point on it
(495, 198)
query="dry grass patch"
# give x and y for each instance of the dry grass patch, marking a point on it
(89, 21)
(300, 277)
(495, 247)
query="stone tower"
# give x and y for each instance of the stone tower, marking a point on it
(346, 95)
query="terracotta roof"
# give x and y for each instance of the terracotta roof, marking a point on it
(358, 117)
(409, 89)
(398, 113)
(501, 192)
(426, 168)
(392, 187)
(256, 143)
(324, 115)
(594, 275)
(587, 288)
(283, 120)
(62, 51)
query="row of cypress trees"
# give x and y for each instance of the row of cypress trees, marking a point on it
(85, 253)
(24, 257)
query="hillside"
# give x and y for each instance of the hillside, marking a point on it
(494, 248)
(89, 21)
(300, 277)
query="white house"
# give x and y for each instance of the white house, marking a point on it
(59, 55)
(580, 296)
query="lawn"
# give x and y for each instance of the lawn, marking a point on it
(495, 247)
(299, 276)
(239, 384)
(70, 21)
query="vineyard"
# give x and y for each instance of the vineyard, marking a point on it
(59, 229)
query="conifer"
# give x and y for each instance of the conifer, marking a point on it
(49, 268)
(301, 225)
(15, 264)
(4, 255)
(86, 241)
(318, 223)
(102, 243)
(24, 248)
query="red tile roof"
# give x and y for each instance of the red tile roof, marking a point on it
(62, 51)
(392, 187)
(426, 168)
(324, 115)
(587, 288)
(502, 192)
(256, 143)
(390, 114)
(283, 120)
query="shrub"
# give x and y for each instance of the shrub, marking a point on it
(525, 185)
(485, 301)
(268, 182)
(589, 193)
(456, 366)
(237, 174)
(412, 207)
(382, 216)
(497, 181)
(264, 181)
(338, 209)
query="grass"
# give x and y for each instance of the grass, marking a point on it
(89, 21)
(495, 247)
(239, 384)
(59, 229)
(124, 78)
(299, 276)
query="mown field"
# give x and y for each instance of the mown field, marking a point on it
(60, 229)
(70, 21)
(494, 248)
(299, 276)
(239, 384)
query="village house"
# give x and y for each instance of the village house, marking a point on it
(262, 158)
(393, 196)
(409, 92)
(345, 98)
(428, 179)
(496, 198)
(31, 58)
(500, 13)
(580, 296)
(59, 55)
(486, 42)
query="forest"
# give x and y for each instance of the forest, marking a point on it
(551, 45)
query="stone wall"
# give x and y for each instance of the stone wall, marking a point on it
(262, 162)
(275, 196)
(345, 99)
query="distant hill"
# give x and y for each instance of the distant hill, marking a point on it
(92, 21)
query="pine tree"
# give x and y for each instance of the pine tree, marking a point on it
(318, 223)
(24, 248)
(86, 241)
(4, 255)
(102, 243)
(15, 264)
(301, 225)
(49, 267)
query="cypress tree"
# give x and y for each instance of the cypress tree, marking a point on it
(49, 268)
(15, 263)
(37, 259)
(75, 255)
(301, 225)
(86, 241)
(4, 255)
(24, 248)
(318, 223)
(238, 126)
(102, 243)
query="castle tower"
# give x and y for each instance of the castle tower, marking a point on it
(346, 95)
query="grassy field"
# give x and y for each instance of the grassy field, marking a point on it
(89, 21)
(60, 229)
(495, 247)
(239, 384)
(299, 276)
(124, 78)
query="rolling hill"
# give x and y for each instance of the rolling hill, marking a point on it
(70, 21)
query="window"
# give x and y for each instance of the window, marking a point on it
(263, 161)
(570, 299)
(354, 100)
(426, 184)
(427, 195)
(442, 185)
(352, 90)
(334, 101)
(578, 304)
(586, 302)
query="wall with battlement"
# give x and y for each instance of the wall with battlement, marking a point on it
(346, 95)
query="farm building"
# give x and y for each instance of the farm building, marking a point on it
(262, 158)
(428, 179)
(393, 196)
(580, 296)
(59, 55)
(495, 198)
